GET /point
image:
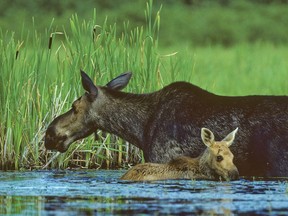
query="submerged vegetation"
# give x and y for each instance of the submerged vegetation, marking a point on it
(40, 79)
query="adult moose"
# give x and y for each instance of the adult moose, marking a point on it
(166, 124)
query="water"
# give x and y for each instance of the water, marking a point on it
(101, 192)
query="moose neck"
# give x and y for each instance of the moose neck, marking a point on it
(126, 115)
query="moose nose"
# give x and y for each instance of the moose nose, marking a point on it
(54, 141)
(233, 174)
(49, 140)
(49, 144)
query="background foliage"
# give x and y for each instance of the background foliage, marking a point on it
(188, 22)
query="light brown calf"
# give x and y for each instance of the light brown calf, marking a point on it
(215, 163)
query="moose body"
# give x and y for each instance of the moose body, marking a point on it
(165, 124)
(215, 163)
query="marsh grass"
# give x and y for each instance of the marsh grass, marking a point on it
(40, 79)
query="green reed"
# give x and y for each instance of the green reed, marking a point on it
(41, 78)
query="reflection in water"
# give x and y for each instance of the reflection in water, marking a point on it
(95, 192)
(21, 205)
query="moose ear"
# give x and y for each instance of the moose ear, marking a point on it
(87, 84)
(230, 137)
(207, 137)
(119, 82)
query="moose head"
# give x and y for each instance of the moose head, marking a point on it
(83, 118)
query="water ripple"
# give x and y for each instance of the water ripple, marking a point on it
(101, 192)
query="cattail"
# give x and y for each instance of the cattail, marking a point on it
(17, 53)
(95, 31)
(50, 41)
(18, 50)
(51, 38)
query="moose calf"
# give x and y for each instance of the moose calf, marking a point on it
(215, 163)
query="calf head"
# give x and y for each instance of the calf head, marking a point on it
(218, 155)
(80, 120)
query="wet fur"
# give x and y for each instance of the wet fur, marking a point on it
(171, 170)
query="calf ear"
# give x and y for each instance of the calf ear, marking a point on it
(230, 137)
(207, 137)
(87, 84)
(119, 82)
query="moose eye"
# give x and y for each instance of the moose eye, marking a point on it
(219, 158)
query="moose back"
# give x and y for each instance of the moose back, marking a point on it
(167, 123)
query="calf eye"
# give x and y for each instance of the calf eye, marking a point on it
(219, 158)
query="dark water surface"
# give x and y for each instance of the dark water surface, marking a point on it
(99, 192)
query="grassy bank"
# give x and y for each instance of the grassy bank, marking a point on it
(40, 79)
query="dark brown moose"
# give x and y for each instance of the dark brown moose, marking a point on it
(166, 124)
(216, 163)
